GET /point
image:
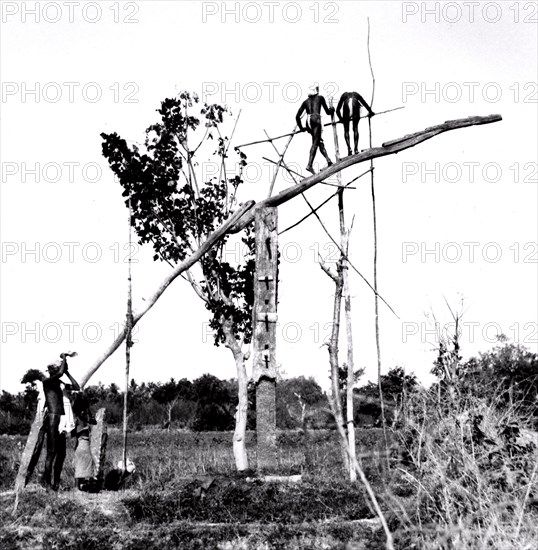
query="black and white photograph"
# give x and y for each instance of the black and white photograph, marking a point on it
(269, 275)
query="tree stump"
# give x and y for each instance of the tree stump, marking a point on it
(31, 442)
(98, 441)
(264, 337)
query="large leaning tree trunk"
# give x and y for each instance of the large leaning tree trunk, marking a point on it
(117, 152)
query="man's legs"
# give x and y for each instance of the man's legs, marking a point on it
(37, 450)
(59, 460)
(53, 421)
(345, 122)
(356, 133)
(315, 131)
(346, 116)
(313, 149)
(324, 151)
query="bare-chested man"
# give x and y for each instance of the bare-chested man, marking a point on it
(54, 404)
(312, 106)
(351, 104)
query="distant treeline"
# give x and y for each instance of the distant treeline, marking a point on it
(508, 371)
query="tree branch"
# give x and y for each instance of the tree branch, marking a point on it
(388, 148)
(245, 215)
(214, 238)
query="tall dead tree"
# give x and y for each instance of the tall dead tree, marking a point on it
(264, 372)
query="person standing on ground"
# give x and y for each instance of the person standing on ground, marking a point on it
(53, 403)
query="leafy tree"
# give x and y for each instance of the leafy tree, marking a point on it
(215, 400)
(396, 385)
(175, 211)
(170, 393)
(506, 376)
(295, 399)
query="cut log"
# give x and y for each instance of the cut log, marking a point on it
(98, 441)
(264, 318)
(29, 449)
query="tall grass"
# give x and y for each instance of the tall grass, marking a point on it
(468, 475)
(463, 474)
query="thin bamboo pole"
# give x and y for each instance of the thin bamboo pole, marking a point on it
(345, 186)
(280, 160)
(128, 343)
(300, 131)
(290, 171)
(376, 299)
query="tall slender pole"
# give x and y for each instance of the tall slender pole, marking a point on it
(376, 300)
(344, 236)
(128, 343)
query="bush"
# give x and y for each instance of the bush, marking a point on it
(469, 475)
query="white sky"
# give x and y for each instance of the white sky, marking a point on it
(480, 63)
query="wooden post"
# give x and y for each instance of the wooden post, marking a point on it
(264, 336)
(98, 441)
(31, 442)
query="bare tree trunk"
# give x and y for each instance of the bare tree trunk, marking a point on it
(344, 242)
(334, 398)
(350, 376)
(239, 444)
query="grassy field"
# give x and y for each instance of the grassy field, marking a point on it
(440, 488)
(186, 494)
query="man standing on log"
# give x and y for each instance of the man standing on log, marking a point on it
(351, 103)
(55, 410)
(312, 106)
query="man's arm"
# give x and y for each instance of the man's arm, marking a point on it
(343, 97)
(301, 110)
(74, 383)
(361, 99)
(324, 105)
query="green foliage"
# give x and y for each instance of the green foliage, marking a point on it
(291, 393)
(396, 385)
(466, 469)
(175, 211)
(507, 376)
(216, 401)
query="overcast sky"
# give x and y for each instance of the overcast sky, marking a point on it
(457, 215)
